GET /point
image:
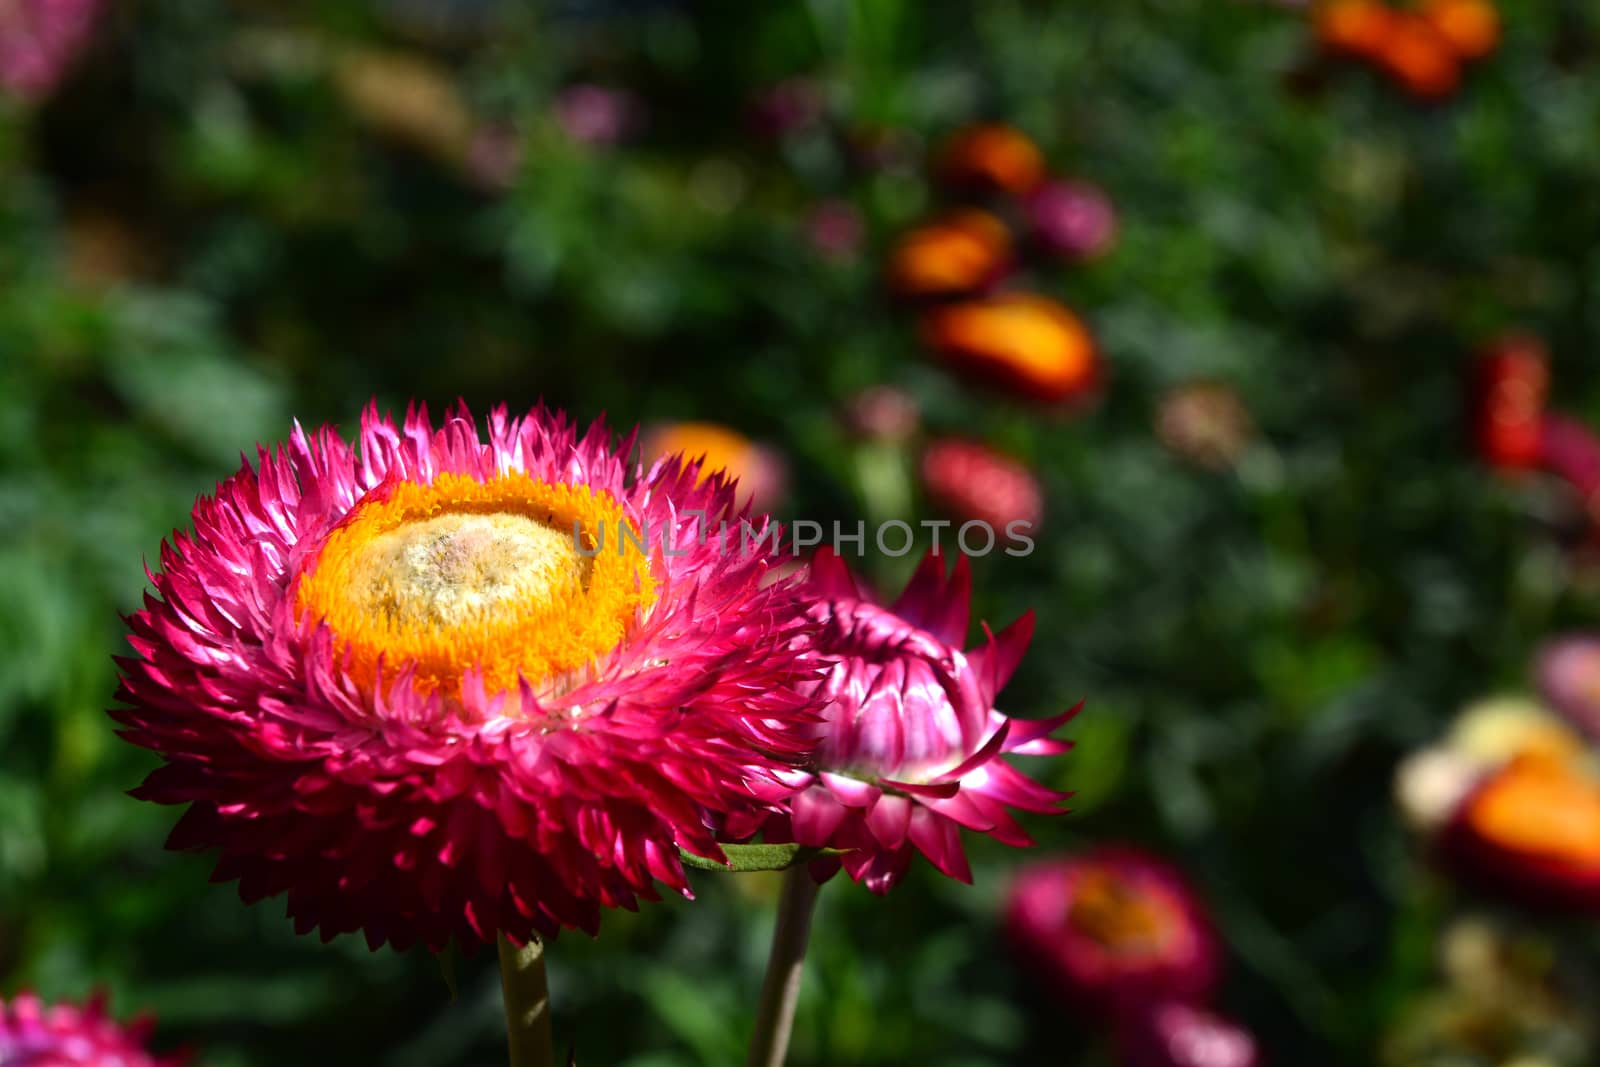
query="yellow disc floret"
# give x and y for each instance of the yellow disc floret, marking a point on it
(513, 577)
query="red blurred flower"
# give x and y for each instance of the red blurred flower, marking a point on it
(1175, 1034)
(992, 157)
(910, 748)
(1531, 831)
(759, 471)
(1073, 219)
(1113, 930)
(1513, 383)
(394, 683)
(38, 41)
(35, 1034)
(1571, 451)
(1419, 58)
(1471, 26)
(1024, 343)
(1355, 28)
(954, 255)
(972, 482)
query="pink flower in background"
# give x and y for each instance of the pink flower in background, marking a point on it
(973, 482)
(883, 413)
(1074, 219)
(597, 115)
(835, 228)
(788, 106)
(35, 1034)
(1568, 670)
(424, 688)
(1175, 1034)
(1113, 930)
(38, 40)
(910, 749)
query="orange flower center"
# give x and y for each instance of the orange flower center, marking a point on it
(516, 578)
(1126, 919)
(1542, 808)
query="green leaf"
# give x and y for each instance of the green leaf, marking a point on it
(758, 857)
(449, 961)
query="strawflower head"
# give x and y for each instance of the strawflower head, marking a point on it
(1568, 670)
(954, 255)
(1471, 26)
(38, 41)
(1113, 930)
(1023, 343)
(1531, 832)
(1513, 385)
(435, 684)
(992, 157)
(1073, 219)
(35, 1034)
(910, 749)
(1356, 29)
(971, 482)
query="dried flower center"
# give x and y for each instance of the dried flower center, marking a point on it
(514, 578)
(1126, 919)
(1543, 808)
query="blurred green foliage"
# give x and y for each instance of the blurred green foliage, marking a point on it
(224, 219)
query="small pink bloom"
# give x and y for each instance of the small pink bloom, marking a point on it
(786, 107)
(1113, 930)
(39, 39)
(835, 228)
(1175, 1034)
(597, 115)
(1568, 670)
(883, 413)
(1074, 219)
(910, 749)
(972, 482)
(35, 1034)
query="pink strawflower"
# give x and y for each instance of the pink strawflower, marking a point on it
(1113, 930)
(1568, 670)
(34, 1034)
(972, 482)
(1073, 219)
(1174, 1034)
(835, 229)
(596, 114)
(38, 41)
(910, 749)
(392, 683)
(883, 413)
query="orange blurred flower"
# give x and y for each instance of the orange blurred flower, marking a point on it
(1420, 58)
(954, 255)
(760, 471)
(1532, 830)
(1023, 342)
(1357, 28)
(993, 156)
(1471, 26)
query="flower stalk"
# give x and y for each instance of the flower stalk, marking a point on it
(527, 999)
(780, 991)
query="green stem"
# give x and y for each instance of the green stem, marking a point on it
(780, 992)
(527, 999)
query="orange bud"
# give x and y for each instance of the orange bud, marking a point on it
(1027, 343)
(955, 255)
(1471, 26)
(1357, 28)
(1421, 59)
(993, 156)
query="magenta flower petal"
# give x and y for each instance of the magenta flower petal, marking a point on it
(1174, 1034)
(911, 748)
(1112, 930)
(35, 1034)
(362, 756)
